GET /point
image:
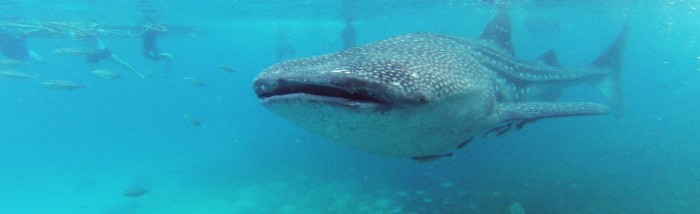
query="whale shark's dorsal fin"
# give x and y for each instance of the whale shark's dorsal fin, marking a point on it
(549, 58)
(498, 31)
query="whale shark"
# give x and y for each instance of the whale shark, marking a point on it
(423, 95)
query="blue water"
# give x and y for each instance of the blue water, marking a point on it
(78, 151)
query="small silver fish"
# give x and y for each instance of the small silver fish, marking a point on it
(135, 192)
(192, 119)
(70, 51)
(7, 74)
(106, 74)
(227, 68)
(12, 62)
(194, 81)
(64, 85)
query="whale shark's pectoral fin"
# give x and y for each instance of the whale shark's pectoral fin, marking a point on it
(514, 116)
(527, 112)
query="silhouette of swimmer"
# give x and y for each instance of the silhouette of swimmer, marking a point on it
(285, 49)
(348, 35)
(151, 52)
(13, 45)
(95, 51)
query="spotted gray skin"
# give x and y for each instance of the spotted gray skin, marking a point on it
(422, 95)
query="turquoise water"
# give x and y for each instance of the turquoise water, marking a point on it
(78, 151)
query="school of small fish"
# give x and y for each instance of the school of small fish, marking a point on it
(10, 70)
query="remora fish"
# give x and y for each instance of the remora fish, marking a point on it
(106, 74)
(194, 81)
(421, 95)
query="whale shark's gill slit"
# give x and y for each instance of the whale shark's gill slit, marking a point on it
(325, 91)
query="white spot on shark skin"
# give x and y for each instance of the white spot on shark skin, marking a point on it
(339, 71)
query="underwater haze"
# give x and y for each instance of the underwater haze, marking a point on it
(193, 137)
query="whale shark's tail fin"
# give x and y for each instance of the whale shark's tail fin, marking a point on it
(611, 59)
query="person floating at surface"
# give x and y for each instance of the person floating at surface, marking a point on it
(13, 45)
(150, 50)
(95, 51)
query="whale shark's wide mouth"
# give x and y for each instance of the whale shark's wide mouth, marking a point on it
(343, 93)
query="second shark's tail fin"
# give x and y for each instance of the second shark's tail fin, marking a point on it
(611, 59)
